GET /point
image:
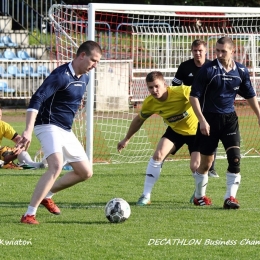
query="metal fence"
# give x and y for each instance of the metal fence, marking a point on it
(31, 16)
(24, 48)
(19, 79)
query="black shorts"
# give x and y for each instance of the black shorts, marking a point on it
(179, 140)
(223, 127)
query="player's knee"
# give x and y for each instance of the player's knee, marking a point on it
(85, 175)
(56, 168)
(89, 175)
(82, 169)
(158, 157)
(204, 166)
(233, 157)
(194, 166)
(194, 161)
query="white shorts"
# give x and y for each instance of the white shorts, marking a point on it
(54, 139)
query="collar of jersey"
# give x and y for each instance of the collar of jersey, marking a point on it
(71, 69)
(220, 65)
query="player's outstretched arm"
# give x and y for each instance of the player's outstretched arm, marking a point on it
(253, 102)
(133, 128)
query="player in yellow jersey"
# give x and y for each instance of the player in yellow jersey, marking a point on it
(8, 154)
(172, 104)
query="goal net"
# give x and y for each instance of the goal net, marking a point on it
(135, 40)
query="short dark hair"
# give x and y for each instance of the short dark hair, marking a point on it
(88, 47)
(224, 40)
(152, 76)
(197, 43)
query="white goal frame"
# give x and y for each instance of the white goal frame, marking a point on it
(158, 10)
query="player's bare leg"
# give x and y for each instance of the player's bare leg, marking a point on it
(194, 164)
(81, 172)
(55, 163)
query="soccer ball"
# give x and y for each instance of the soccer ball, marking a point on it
(117, 210)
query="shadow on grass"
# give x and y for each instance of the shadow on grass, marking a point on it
(175, 205)
(21, 173)
(95, 205)
(78, 222)
(4, 204)
(46, 218)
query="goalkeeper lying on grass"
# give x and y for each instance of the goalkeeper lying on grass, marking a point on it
(8, 154)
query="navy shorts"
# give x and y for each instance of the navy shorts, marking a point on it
(179, 140)
(223, 127)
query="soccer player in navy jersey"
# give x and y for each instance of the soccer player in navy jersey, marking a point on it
(212, 97)
(186, 73)
(50, 113)
(172, 104)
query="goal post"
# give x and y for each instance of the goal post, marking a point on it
(137, 39)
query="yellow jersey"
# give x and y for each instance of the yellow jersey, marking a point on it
(6, 131)
(176, 111)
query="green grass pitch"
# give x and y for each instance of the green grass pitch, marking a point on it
(170, 228)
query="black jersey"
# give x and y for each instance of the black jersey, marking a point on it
(186, 73)
(216, 89)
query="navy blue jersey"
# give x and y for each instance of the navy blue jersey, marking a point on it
(59, 97)
(186, 73)
(216, 89)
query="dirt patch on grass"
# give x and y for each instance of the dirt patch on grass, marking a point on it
(13, 115)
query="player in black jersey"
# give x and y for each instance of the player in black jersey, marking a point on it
(212, 97)
(186, 73)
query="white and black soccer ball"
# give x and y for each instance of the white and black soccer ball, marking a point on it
(117, 210)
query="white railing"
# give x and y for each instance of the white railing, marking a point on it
(17, 82)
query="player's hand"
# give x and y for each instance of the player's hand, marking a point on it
(121, 145)
(24, 141)
(205, 128)
(17, 150)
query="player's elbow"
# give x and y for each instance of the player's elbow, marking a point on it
(193, 100)
(193, 97)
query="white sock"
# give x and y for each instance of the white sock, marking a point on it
(233, 181)
(26, 158)
(152, 175)
(31, 211)
(49, 195)
(201, 181)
